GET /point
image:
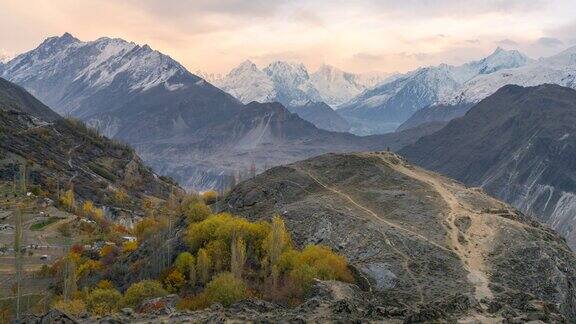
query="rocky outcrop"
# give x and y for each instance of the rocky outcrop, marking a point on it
(53, 316)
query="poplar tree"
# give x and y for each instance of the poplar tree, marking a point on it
(238, 256)
(203, 263)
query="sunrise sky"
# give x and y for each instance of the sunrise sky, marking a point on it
(355, 35)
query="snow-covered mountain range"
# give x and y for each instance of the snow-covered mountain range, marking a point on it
(558, 69)
(292, 85)
(384, 107)
(180, 124)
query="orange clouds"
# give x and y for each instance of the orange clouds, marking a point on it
(362, 35)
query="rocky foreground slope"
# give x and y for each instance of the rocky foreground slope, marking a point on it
(423, 248)
(423, 245)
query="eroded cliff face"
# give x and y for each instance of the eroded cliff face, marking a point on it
(417, 239)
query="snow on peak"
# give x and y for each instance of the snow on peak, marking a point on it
(336, 86)
(520, 70)
(247, 83)
(400, 96)
(287, 72)
(244, 67)
(501, 59)
(5, 57)
(292, 83)
(96, 63)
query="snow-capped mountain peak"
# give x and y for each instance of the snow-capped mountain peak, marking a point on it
(294, 73)
(501, 59)
(558, 69)
(83, 68)
(394, 101)
(4, 57)
(247, 83)
(292, 85)
(244, 67)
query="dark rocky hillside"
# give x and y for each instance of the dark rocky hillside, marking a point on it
(425, 247)
(259, 134)
(64, 153)
(519, 145)
(15, 98)
(322, 116)
(435, 114)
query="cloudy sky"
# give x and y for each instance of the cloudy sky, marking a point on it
(356, 35)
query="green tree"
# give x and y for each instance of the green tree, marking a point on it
(185, 262)
(196, 212)
(103, 301)
(141, 291)
(226, 289)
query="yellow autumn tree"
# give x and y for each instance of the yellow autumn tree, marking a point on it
(277, 241)
(120, 196)
(174, 281)
(67, 200)
(210, 197)
(88, 208)
(237, 256)
(203, 265)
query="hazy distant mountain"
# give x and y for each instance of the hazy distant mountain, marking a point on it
(322, 116)
(292, 85)
(519, 144)
(442, 113)
(385, 107)
(338, 87)
(260, 135)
